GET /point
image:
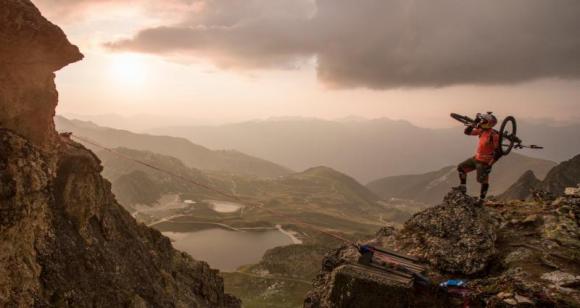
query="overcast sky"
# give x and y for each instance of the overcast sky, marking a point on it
(230, 60)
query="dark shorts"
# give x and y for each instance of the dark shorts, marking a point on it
(483, 169)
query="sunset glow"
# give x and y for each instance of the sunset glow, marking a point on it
(142, 55)
(128, 69)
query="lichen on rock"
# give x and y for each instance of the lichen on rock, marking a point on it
(456, 236)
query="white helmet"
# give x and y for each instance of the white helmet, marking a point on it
(488, 120)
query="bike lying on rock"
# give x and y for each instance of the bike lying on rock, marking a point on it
(508, 139)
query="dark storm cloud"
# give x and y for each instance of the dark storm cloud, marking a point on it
(236, 33)
(383, 43)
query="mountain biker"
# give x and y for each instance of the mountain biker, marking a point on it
(487, 153)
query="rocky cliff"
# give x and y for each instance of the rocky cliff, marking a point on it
(64, 240)
(509, 253)
(31, 50)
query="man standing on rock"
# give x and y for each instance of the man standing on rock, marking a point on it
(486, 155)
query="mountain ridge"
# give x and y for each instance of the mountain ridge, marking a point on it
(369, 149)
(192, 154)
(561, 176)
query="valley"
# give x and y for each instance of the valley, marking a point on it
(244, 237)
(264, 232)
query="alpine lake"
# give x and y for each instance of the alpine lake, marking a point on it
(221, 245)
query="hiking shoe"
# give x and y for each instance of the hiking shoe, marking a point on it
(461, 188)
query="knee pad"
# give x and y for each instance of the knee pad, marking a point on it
(483, 179)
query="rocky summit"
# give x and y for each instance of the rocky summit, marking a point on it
(512, 253)
(457, 236)
(64, 239)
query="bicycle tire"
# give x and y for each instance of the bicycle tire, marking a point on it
(504, 135)
(463, 119)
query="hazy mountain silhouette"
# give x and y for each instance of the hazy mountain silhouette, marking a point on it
(565, 174)
(366, 149)
(136, 123)
(191, 154)
(522, 188)
(432, 186)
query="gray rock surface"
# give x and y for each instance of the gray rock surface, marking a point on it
(456, 236)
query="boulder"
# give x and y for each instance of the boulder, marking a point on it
(456, 236)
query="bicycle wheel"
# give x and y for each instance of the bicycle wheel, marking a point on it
(507, 135)
(463, 119)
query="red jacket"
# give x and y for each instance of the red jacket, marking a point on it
(487, 145)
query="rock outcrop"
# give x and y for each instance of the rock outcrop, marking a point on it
(528, 255)
(456, 236)
(64, 240)
(31, 50)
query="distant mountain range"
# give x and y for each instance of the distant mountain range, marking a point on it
(134, 183)
(366, 149)
(566, 174)
(191, 154)
(431, 187)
